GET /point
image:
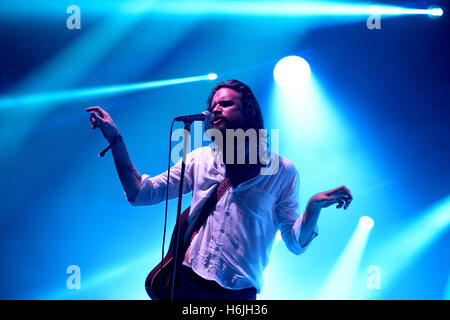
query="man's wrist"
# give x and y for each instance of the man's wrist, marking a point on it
(115, 139)
(313, 208)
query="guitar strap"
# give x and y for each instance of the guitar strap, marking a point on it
(195, 224)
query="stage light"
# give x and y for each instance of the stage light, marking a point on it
(128, 275)
(366, 222)
(272, 8)
(400, 251)
(31, 100)
(292, 72)
(447, 290)
(435, 11)
(340, 281)
(278, 237)
(212, 76)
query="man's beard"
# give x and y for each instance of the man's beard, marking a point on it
(221, 126)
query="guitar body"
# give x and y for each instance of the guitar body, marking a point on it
(155, 289)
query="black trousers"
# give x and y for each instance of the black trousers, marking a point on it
(190, 286)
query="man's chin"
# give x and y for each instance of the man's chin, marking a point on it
(220, 126)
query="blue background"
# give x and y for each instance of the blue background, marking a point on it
(377, 122)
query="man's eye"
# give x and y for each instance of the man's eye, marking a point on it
(226, 103)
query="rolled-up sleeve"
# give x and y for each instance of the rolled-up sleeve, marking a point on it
(153, 189)
(288, 220)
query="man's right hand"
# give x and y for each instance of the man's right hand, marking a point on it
(101, 119)
(129, 176)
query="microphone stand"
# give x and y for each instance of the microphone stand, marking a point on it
(187, 125)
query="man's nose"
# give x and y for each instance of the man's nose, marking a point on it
(217, 110)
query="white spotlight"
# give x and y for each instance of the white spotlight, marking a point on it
(278, 237)
(212, 76)
(291, 72)
(366, 222)
(435, 12)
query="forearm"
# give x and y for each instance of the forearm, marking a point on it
(309, 222)
(129, 176)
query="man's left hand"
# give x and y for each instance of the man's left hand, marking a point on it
(340, 195)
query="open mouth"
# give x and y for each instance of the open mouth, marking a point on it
(218, 121)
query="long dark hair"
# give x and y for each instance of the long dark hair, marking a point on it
(250, 106)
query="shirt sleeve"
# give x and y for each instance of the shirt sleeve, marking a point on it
(153, 189)
(288, 220)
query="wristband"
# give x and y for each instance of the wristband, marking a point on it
(113, 141)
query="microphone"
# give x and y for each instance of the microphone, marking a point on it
(204, 116)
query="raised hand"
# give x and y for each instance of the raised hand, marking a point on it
(340, 196)
(101, 119)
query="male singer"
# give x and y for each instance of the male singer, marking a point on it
(227, 256)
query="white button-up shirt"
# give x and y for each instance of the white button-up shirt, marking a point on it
(234, 244)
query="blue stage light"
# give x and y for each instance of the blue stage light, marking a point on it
(272, 8)
(399, 252)
(339, 284)
(292, 72)
(33, 99)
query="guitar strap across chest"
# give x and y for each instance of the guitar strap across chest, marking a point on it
(196, 223)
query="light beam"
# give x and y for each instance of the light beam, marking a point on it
(340, 282)
(33, 100)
